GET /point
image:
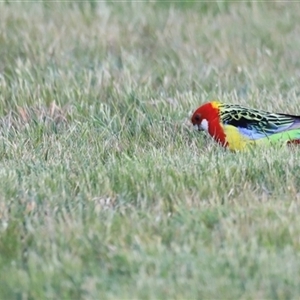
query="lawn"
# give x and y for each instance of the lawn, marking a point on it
(105, 189)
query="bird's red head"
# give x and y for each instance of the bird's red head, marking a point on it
(205, 115)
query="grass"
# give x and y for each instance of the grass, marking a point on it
(105, 190)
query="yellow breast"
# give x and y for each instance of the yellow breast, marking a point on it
(236, 141)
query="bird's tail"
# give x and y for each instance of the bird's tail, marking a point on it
(289, 137)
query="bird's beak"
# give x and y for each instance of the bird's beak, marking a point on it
(197, 127)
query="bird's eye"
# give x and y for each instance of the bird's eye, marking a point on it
(197, 118)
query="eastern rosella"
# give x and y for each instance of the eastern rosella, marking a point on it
(236, 127)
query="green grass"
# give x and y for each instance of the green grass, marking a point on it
(105, 189)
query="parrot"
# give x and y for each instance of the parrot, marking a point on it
(236, 127)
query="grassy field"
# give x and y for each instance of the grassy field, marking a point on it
(105, 189)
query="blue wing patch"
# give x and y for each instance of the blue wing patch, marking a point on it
(251, 134)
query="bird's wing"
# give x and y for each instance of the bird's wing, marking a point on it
(255, 124)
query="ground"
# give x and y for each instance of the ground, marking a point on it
(105, 189)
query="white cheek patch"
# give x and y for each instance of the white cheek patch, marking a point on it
(204, 124)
